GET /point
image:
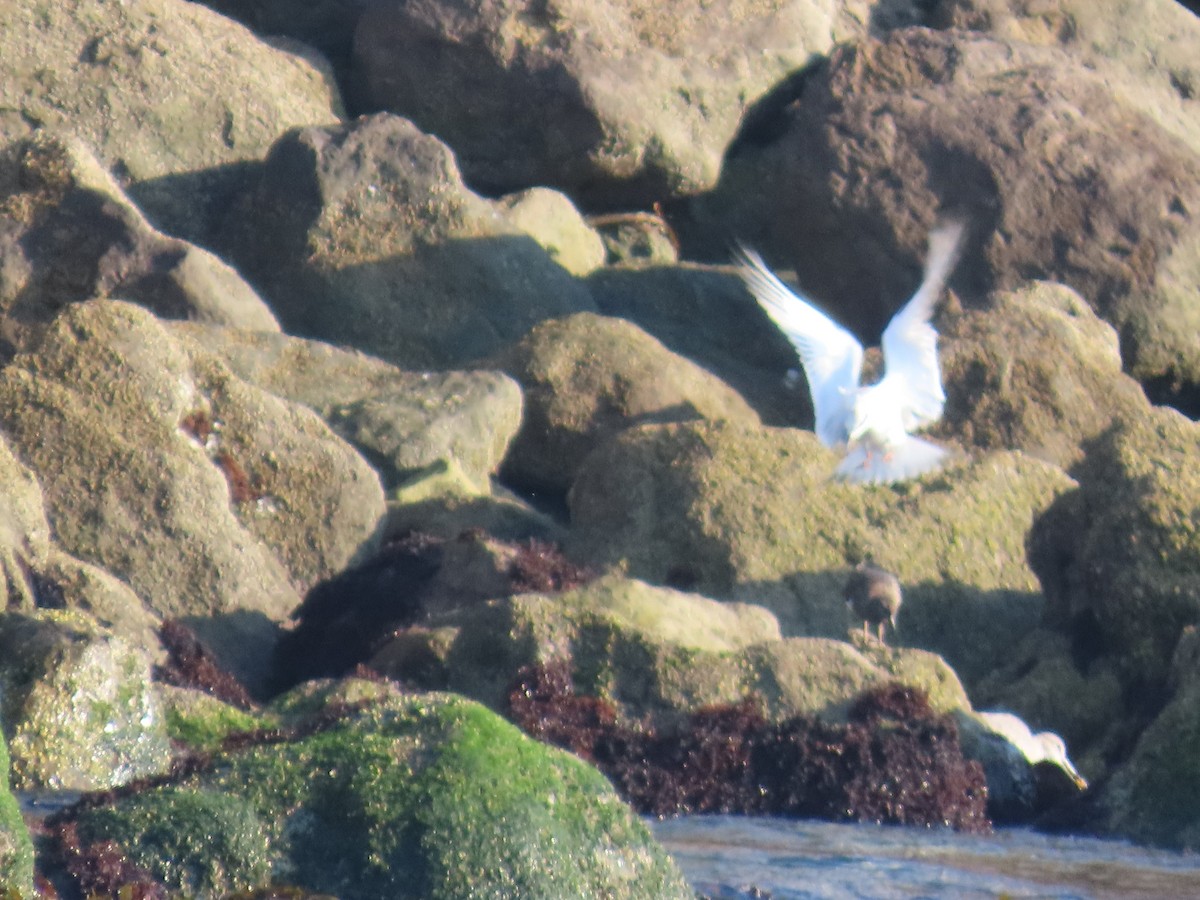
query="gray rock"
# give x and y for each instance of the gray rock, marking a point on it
(215, 501)
(170, 94)
(470, 417)
(72, 234)
(621, 103)
(550, 219)
(586, 378)
(1150, 51)
(364, 234)
(1034, 146)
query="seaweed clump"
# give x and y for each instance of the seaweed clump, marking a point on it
(345, 619)
(893, 761)
(190, 665)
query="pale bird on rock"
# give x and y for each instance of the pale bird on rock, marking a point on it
(873, 422)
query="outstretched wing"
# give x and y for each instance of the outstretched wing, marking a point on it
(910, 342)
(831, 355)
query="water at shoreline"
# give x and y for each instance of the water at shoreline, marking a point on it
(730, 856)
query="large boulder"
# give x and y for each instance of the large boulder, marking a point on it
(407, 423)
(1155, 797)
(1037, 371)
(71, 234)
(620, 103)
(1149, 49)
(364, 234)
(754, 515)
(1118, 556)
(1035, 147)
(212, 499)
(587, 377)
(394, 795)
(656, 654)
(168, 93)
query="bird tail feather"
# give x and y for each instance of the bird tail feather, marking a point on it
(912, 457)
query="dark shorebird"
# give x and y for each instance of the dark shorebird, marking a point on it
(874, 596)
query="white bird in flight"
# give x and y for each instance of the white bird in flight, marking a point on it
(874, 422)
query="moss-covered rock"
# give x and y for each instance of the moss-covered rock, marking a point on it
(1038, 371)
(199, 721)
(408, 796)
(404, 422)
(656, 654)
(1155, 797)
(752, 514)
(16, 848)
(78, 705)
(364, 234)
(1118, 556)
(587, 377)
(212, 499)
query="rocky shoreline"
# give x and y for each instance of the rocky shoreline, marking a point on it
(371, 374)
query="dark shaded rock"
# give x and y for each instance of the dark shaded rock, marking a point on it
(621, 103)
(588, 377)
(1118, 556)
(345, 620)
(71, 234)
(364, 234)
(894, 760)
(189, 664)
(1036, 149)
(1155, 797)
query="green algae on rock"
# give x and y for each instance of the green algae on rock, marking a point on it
(411, 796)
(78, 703)
(16, 848)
